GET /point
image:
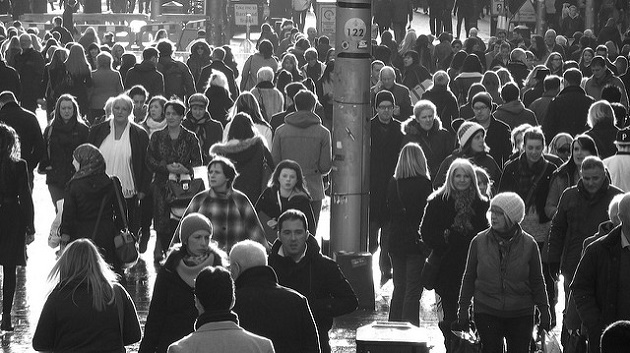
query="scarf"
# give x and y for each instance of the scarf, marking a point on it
(117, 154)
(155, 125)
(464, 210)
(215, 316)
(189, 266)
(199, 125)
(505, 241)
(90, 160)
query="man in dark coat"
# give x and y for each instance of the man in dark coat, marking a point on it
(386, 139)
(517, 67)
(218, 54)
(387, 81)
(26, 126)
(402, 14)
(30, 65)
(146, 74)
(569, 110)
(66, 36)
(601, 286)
(9, 79)
(498, 133)
(178, 80)
(297, 260)
(266, 308)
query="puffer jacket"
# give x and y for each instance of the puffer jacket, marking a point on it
(437, 143)
(303, 139)
(514, 114)
(578, 217)
(508, 287)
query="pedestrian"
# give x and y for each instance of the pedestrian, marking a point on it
(64, 134)
(219, 101)
(17, 228)
(271, 99)
(199, 58)
(124, 144)
(216, 327)
(218, 64)
(407, 194)
(387, 82)
(513, 112)
(199, 121)
(172, 311)
(230, 211)
(603, 76)
(286, 190)
(172, 151)
(249, 153)
(601, 120)
(540, 106)
(618, 164)
(414, 73)
(10, 78)
(288, 72)
(263, 57)
(471, 72)
(402, 15)
(86, 310)
(106, 83)
(560, 146)
(248, 104)
(266, 308)
(504, 275)
(78, 77)
(454, 214)
(30, 66)
(178, 81)
(442, 97)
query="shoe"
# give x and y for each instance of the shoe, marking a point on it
(6, 323)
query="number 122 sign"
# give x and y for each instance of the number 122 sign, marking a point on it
(355, 29)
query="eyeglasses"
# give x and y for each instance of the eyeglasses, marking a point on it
(387, 107)
(478, 109)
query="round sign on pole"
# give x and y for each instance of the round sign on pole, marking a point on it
(355, 29)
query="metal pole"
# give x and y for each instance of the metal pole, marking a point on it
(541, 12)
(214, 22)
(351, 127)
(589, 11)
(156, 9)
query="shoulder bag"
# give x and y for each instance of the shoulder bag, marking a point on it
(418, 90)
(125, 242)
(180, 192)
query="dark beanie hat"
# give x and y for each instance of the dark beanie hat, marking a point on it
(384, 96)
(214, 288)
(192, 223)
(483, 97)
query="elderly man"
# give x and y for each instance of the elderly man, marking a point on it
(551, 45)
(517, 66)
(297, 260)
(387, 82)
(30, 65)
(266, 308)
(580, 211)
(216, 328)
(601, 286)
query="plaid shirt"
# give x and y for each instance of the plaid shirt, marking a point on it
(233, 218)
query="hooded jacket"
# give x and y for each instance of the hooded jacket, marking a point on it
(514, 114)
(319, 279)
(147, 75)
(436, 143)
(248, 156)
(303, 139)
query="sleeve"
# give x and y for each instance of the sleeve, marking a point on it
(557, 232)
(157, 315)
(553, 197)
(204, 76)
(131, 324)
(276, 150)
(431, 231)
(45, 82)
(44, 161)
(536, 279)
(253, 227)
(145, 175)
(119, 84)
(341, 299)
(26, 199)
(129, 79)
(154, 159)
(45, 332)
(506, 182)
(584, 290)
(406, 109)
(195, 159)
(36, 154)
(189, 81)
(550, 123)
(68, 217)
(120, 208)
(310, 338)
(468, 281)
(325, 154)
(246, 73)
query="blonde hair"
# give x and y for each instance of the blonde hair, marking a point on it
(465, 165)
(77, 64)
(600, 111)
(81, 264)
(411, 162)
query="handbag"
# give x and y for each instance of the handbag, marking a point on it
(418, 90)
(125, 242)
(180, 192)
(430, 270)
(466, 341)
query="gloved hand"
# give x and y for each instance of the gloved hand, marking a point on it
(545, 319)
(554, 270)
(460, 325)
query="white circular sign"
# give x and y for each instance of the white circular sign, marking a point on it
(355, 29)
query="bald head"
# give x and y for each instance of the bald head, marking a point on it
(245, 255)
(25, 41)
(624, 209)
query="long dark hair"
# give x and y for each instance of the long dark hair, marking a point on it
(293, 165)
(586, 143)
(241, 127)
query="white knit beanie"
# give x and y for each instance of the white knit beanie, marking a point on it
(467, 130)
(511, 204)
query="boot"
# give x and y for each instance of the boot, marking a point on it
(6, 323)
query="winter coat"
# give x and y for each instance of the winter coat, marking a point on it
(437, 143)
(79, 86)
(196, 63)
(498, 138)
(509, 287)
(223, 336)
(220, 103)
(248, 156)
(462, 83)
(139, 140)
(519, 72)
(207, 130)
(271, 100)
(438, 218)
(16, 212)
(60, 140)
(147, 75)
(319, 279)
(250, 69)
(271, 205)
(30, 66)
(178, 80)
(533, 93)
(268, 309)
(578, 216)
(483, 160)
(406, 200)
(445, 103)
(10, 80)
(105, 84)
(83, 199)
(619, 168)
(595, 286)
(27, 128)
(402, 11)
(303, 139)
(218, 65)
(514, 114)
(172, 312)
(69, 322)
(402, 97)
(593, 86)
(540, 107)
(567, 112)
(415, 75)
(604, 134)
(386, 142)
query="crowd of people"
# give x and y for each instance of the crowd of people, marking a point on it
(486, 185)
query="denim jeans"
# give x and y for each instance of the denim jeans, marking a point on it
(517, 332)
(405, 305)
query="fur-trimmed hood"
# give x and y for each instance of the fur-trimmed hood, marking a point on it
(240, 151)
